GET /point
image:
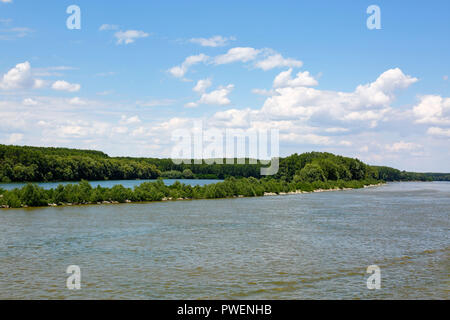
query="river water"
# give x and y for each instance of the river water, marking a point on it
(305, 246)
(111, 183)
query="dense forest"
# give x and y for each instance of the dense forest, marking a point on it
(36, 164)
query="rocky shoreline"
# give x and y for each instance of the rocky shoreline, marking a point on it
(318, 190)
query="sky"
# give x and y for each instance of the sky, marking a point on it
(137, 71)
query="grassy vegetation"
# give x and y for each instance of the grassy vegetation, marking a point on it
(32, 195)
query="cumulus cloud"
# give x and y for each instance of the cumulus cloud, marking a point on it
(202, 85)
(370, 102)
(276, 61)
(433, 109)
(216, 97)
(241, 54)
(129, 36)
(62, 85)
(180, 71)
(20, 77)
(232, 118)
(263, 92)
(215, 41)
(381, 91)
(303, 79)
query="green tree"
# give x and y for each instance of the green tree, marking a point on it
(311, 172)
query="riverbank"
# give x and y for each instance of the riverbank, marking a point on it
(320, 190)
(83, 194)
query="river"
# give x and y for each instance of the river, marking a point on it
(303, 246)
(111, 183)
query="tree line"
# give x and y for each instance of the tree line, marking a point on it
(32, 195)
(39, 164)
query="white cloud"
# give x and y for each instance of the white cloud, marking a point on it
(62, 85)
(403, 146)
(215, 97)
(120, 130)
(309, 138)
(436, 131)
(215, 41)
(336, 130)
(364, 149)
(77, 101)
(129, 120)
(191, 105)
(6, 1)
(20, 77)
(51, 71)
(180, 71)
(345, 143)
(106, 27)
(433, 109)
(232, 118)
(370, 102)
(29, 102)
(263, 92)
(303, 79)
(202, 85)
(129, 36)
(276, 61)
(15, 138)
(242, 54)
(381, 91)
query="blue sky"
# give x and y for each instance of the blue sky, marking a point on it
(311, 69)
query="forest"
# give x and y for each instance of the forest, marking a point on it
(39, 164)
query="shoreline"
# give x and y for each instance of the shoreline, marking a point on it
(271, 194)
(266, 194)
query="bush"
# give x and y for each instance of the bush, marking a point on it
(311, 172)
(34, 196)
(12, 200)
(187, 174)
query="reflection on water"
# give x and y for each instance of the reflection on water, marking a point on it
(284, 247)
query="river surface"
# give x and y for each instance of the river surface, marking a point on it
(111, 183)
(305, 246)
